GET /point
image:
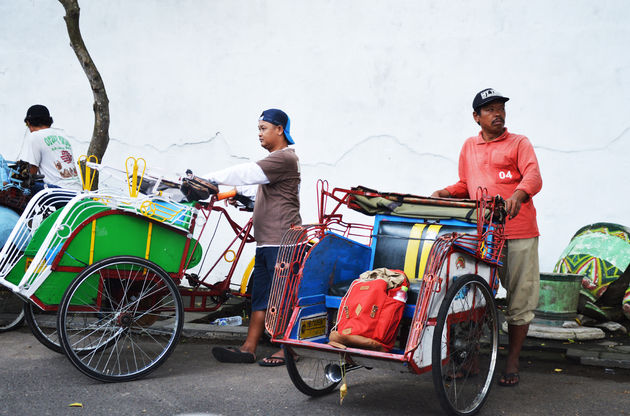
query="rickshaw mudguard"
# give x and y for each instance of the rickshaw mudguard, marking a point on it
(104, 234)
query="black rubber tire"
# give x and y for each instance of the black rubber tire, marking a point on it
(465, 346)
(132, 318)
(43, 325)
(11, 310)
(308, 374)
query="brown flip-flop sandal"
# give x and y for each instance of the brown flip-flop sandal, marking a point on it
(233, 355)
(272, 361)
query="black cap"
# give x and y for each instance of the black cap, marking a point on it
(38, 114)
(487, 95)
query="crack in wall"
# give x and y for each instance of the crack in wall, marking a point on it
(217, 136)
(592, 149)
(353, 149)
(372, 138)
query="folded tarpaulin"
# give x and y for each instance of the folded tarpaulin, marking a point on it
(411, 206)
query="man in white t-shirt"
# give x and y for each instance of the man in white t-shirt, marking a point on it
(48, 151)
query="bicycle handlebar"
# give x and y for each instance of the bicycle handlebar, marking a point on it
(225, 195)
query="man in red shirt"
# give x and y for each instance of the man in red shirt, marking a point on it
(505, 164)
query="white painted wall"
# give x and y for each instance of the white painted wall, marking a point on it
(379, 92)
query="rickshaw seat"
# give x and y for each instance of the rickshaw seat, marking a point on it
(402, 244)
(405, 244)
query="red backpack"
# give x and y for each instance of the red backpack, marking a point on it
(371, 310)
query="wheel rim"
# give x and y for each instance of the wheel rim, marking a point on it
(309, 373)
(11, 310)
(467, 348)
(129, 319)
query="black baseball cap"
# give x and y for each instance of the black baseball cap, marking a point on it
(278, 118)
(38, 113)
(487, 95)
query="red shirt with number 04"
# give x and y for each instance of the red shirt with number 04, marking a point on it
(502, 166)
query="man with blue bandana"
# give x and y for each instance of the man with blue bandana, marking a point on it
(276, 209)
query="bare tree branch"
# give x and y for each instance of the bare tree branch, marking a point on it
(100, 135)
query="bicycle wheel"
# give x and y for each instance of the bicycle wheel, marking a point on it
(465, 344)
(308, 374)
(43, 325)
(130, 317)
(11, 310)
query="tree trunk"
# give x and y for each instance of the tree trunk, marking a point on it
(100, 135)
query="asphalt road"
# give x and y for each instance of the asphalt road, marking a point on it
(36, 381)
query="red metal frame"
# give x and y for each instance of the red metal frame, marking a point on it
(242, 233)
(283, 295)
(441, 250)
(332, 220)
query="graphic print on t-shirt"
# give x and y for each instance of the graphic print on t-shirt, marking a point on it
(61, 147)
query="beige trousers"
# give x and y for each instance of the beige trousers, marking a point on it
(520, 276)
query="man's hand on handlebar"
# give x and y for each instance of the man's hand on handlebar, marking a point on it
(243, 202)
(513, 203)
(232, 197)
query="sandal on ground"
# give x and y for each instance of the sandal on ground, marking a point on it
(233, 355)
(509, 379)
(272, 361)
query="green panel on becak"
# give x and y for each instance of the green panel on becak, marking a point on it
(40, 234)
(16, 273)
(117, 235)
(87, 293)
(80, 212)
(53, 288)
